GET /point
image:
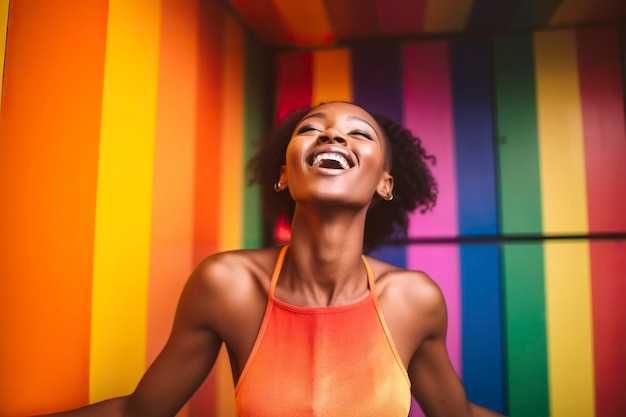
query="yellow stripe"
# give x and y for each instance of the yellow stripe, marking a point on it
(447, 15)
(232, 164)
(331, 76)
(123, 208)
(564, 207)
(4, 20)
(232, 181)
(570, 346)
(561, 147)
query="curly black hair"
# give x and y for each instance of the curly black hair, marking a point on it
(414, 185)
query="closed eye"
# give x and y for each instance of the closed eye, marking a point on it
(307, 128)
(361, 133)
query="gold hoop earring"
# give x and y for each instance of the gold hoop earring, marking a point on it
(278, 186)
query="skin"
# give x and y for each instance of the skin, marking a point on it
(224, 300)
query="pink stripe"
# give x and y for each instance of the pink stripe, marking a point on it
(428, 114)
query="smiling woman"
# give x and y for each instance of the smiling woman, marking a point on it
(315, 327)
(406, 160)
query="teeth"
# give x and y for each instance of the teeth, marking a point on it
(317, 161)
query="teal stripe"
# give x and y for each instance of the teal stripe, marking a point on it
(520, 213)
(257, 117)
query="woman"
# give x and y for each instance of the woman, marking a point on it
(315, 327)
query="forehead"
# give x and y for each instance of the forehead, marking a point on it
(340, 109)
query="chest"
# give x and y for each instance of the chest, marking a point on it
(324, 363)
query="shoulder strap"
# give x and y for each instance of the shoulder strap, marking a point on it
(277, 268)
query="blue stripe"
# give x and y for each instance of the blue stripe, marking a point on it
(377, 87)
(481, 309)
(481, 301)
(474, 137)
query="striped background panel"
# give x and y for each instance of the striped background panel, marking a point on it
(183, 89)
(520, 212)
(499, 145)
(497, 112)
(52, 100)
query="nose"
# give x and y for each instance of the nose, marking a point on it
(331, 136)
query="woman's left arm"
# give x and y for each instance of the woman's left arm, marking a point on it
(435, 384)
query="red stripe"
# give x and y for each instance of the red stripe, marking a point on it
(295, 82)
(599, 66)
(352, 19)
(400, 17)
(601, 91)
(207, 185)
(608, 286)
(48, 167)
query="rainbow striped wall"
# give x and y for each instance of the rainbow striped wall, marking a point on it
(529, 135)
(124, 129)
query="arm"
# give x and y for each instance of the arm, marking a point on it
(435, 384)
(184, 363)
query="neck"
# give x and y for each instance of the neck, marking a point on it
(324, 265)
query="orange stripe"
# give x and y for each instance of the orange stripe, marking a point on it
(331, 76)
(306, 21)
(172, 197)
(207, 186)
(48, 164)
(232, 168)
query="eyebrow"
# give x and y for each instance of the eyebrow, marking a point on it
(351, 117)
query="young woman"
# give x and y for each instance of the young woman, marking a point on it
(315, 328)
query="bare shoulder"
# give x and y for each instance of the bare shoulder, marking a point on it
(412, 305)
(407, 287)
(234, 271)
(223, 286)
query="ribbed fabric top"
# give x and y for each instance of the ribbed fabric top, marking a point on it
(323, 361)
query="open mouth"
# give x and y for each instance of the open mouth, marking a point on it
(330, 159)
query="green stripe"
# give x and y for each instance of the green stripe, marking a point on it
(520, 212)
(258, 110)
(518, 143)
(525, 329)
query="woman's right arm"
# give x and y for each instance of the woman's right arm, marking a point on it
(184, 362)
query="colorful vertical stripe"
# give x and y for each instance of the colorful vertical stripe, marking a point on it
(123, 141)
(520, 213)
(52, 99)
(601, 87)
(428, 113)
(121, 266)
(515, 124)
(150, 105)
(378, 89)
(564, 209)
(481, 303)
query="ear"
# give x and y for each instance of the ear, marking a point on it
(283, 177)
(385, 186)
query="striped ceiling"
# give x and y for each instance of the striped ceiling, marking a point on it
(308, 23)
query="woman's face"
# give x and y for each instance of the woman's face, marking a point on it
(336, 154)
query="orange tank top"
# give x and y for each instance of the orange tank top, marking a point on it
(323, 361)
